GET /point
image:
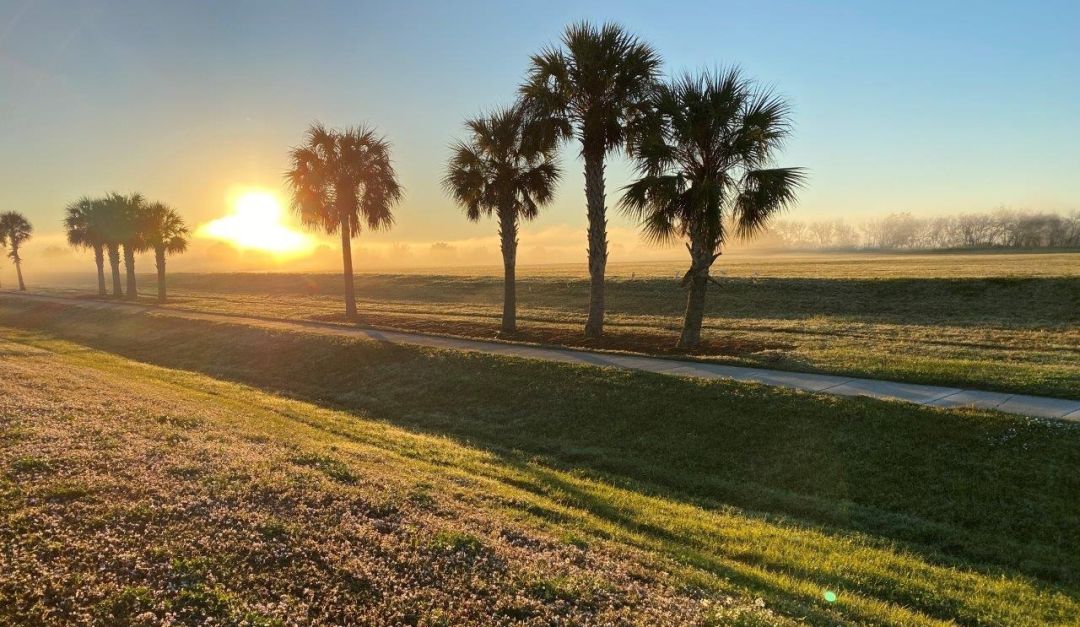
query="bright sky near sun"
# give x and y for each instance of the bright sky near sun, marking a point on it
(257, 221)
(922, 106)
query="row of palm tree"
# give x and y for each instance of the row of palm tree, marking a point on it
(15, 229)
(120, 225)
(703, 146)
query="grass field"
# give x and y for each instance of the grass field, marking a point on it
(149, 466)
(995, 321)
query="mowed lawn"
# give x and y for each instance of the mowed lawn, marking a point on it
(993, 321)
(158, 465)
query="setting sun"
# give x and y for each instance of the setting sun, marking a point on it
(256, 222)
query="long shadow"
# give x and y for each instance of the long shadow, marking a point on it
(958, 489)
(753, 573)
(1019, 302)
(1006, 301)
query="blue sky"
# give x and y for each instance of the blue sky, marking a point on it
(922, 106)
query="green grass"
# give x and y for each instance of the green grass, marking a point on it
(908, 514)
(1005, 322)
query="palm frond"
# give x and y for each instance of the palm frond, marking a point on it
(162, 227)
(14, 229)
(701, 156)
(341, 176)
(765, 193)
(596, 85)
(502, 168)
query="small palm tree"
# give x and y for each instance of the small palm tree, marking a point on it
(704, 163)
(84, 222)
(594, 89)
(164, 231)
(340, 179)
(15, 229)
(503, 170)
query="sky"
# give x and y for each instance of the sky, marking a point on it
(922, 106)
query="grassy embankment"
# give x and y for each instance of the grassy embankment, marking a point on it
(213, 468)
(1006, 322)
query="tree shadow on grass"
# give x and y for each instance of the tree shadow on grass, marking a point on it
(792, 585)
(956, 488)
(1009, 301)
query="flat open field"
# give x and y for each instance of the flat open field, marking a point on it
(994, 321)
(149, 471)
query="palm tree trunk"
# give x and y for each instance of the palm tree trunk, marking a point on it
(159, 259)
(114, 263)
(697, 279)
(508, 234)
(594, 199)
(18, 267)
(99, 259)
(346, 260)
(695, 312)
(129, 270)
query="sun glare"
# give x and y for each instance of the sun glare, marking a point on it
(256, 222)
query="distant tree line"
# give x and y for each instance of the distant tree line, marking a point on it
(1004, 228)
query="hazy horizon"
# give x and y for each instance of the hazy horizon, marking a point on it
(955, 112)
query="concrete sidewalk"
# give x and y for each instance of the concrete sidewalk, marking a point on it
(1039, 406)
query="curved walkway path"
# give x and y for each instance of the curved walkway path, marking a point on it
(1039, 406)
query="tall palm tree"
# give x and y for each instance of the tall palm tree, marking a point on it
(164, 231)
(593, 88)
(113, 217)
(340, 179)
(84, 222)
(704, 163)
(120, 219)
(132, 210)
(15, 229)
(505, 170)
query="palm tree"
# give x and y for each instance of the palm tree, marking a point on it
(15, 229)
(339, 179)
(117, 230)
(133, 209)
(593, 88)
(163, 230)
(85, 223)
(503, 170)
(705, 162)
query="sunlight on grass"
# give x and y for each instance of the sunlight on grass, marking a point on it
(800, 565)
